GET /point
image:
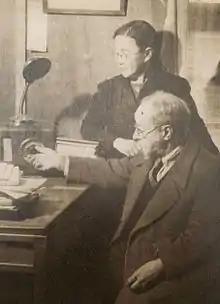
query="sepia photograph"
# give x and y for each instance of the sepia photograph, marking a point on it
(109, 152)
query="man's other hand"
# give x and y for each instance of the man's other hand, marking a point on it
(145, 275)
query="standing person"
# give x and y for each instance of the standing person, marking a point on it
(110, 118)
(171, 215)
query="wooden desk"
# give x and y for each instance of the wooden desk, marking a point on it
(34, 245)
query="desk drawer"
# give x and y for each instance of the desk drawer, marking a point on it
(20, 254)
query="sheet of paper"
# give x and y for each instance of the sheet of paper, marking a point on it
(26, 186)
(36, 26)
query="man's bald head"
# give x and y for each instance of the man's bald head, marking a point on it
(161, 108)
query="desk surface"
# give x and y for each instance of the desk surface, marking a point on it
(55, 197)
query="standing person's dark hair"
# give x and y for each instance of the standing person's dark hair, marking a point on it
(141, 31)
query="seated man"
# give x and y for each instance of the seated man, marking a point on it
(171, 215)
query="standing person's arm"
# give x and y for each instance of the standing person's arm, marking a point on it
(95, 126)
(98, 123)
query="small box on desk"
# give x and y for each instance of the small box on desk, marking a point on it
(17, 202)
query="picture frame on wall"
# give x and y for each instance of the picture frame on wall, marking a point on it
(86, 7)
(205, 1)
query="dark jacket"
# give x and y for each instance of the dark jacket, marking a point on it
(180, 224)
(111, 113)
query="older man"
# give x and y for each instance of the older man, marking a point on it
(171, 215)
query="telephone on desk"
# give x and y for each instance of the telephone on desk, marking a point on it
(21, 127)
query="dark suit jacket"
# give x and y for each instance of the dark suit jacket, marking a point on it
(111, 114)
(180, 224)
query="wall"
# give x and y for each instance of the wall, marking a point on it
(80, 48)
(203, 67)
(7, 60)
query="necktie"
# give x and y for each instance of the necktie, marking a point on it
(154, 171)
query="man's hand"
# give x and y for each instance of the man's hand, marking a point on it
(128, 147)
(47, 159)
(145, 274)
